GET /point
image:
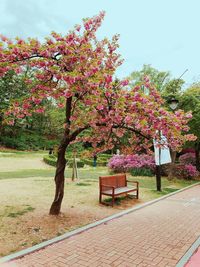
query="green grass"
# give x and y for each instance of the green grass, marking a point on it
(83, 184)
(16, 211)
(14, 154)
(26, 174)
(84, 174)
(90, 175)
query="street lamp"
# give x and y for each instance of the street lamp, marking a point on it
(173, 103)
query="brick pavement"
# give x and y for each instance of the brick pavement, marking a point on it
(156, 235)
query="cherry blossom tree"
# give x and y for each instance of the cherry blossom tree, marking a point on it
(75, 72)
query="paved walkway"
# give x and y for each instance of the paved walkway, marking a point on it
(157, 235)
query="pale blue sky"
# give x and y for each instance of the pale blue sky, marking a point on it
(163, 33)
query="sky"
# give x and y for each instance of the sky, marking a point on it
(163, 33)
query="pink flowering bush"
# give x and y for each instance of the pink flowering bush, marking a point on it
(188, 158)
(122, 163)
(190, 171)
(185, 171)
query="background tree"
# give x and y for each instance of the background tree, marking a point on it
(12, 86)
(162, 80)
(30, 132)
(159, 79)
(190, 101)
(75, 72)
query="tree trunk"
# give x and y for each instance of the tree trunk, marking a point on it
(197, 151)
(61, 162)
(172, 164)
(59, 181)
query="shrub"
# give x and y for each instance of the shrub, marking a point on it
(121, 163)
(26, 141)
(100, 162)
(188, 158)
(187, 171)
(141, 172)
(188, 150)
(50, 159)
(191, 171)
(104, 156)
(88, 162)
(80, 164)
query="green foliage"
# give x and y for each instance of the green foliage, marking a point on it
(190, 101)
(105, 156)
(51, 160)
(173, 88)
(141, 172)
(100, 162)
(83, 184)
(158, 78)
(161, 80)
(12, 86)
(80, 164)
(26, 140)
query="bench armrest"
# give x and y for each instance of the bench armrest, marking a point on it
(135, 182)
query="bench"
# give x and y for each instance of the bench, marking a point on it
(115, 185)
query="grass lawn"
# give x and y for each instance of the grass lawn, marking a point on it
(27, 190)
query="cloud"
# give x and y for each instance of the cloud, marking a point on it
(30, 18)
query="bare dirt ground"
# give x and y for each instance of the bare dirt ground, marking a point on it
(25, 203)
(26, 196)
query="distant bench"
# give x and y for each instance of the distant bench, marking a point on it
(115, 185)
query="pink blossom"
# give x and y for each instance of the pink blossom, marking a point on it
(121, 163)
(60, 105)
(100, 107)
(108, 79)
(124, 82)
(39, 110)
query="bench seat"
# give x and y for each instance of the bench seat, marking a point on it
(119, 190)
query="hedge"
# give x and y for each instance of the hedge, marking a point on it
(99, 162)
(51, 160)
(141, 172)
(80, 164)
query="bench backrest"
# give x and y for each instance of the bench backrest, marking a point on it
(117, 180)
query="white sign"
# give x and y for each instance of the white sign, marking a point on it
(162, 153)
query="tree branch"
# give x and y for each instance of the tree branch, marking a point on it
(77, 132)
(135, 131)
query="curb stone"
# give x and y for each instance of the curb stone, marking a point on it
(182, 262)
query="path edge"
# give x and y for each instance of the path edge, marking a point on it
(54, 240)
(189, 253)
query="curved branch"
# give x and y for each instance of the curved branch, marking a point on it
(77, 132)
(135, 131)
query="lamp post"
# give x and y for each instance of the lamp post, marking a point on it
(173, 104)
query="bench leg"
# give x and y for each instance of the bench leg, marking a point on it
(113, 200)
(137, 196)
(100, 198)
